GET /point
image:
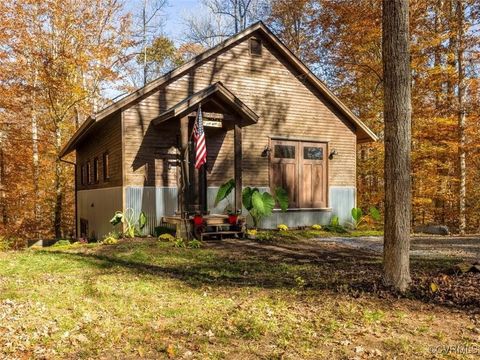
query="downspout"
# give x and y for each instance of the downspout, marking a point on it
(75, 189)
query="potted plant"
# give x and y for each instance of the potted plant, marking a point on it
(233, 217)
(198, 219)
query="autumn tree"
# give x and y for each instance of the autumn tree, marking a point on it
(293, 23)
(67, 51)
(161, 56)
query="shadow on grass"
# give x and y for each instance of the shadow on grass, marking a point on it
(248, 264)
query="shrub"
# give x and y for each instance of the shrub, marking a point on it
(62, 243)
(111, 238)
(282, 227)
(159, 230)
(166, 237)
(132, 228)
(265, 236)
(194, 244)
(109, 241)
(335, 226)
(182, 243)
(359, 218)
(179, 243)
(316, 227)
(258, 204)
(252, 232)
(11, 243)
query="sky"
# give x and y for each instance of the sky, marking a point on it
(174, 26)
(173, 15)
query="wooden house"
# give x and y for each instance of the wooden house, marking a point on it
(269, 121)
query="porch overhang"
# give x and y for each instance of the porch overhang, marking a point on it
(218, 94)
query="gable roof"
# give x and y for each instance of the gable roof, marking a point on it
(364, 134)
(217, 90)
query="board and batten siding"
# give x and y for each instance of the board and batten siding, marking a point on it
(287, 105)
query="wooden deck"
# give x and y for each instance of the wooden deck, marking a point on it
(215, 225)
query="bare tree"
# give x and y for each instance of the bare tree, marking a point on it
(220, 19)
(149, 22)
(397, 117)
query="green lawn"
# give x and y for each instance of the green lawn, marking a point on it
(149, 299)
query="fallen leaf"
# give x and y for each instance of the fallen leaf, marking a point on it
(359, 349)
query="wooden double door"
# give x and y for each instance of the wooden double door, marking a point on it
(300, 167)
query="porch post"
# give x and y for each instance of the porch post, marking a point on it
(238, 166)
(183, 194)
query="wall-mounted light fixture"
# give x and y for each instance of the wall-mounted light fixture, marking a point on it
(332, 154)
(266, 151)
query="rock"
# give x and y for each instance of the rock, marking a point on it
(432, 229)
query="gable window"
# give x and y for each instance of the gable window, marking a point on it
(106, 167)
(89, 172)
(95, 171)
(255, 46)
(300, 167)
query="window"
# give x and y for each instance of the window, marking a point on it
(255, 46)
(89, 172)
(312, 153)
(82, 174)
(106, 167)
(284, 151)
(300, 167)
(95, 170)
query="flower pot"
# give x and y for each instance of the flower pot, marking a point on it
(233, 219)
(198, 220)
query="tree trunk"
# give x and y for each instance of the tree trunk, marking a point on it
(57, 217)
(397, 117)
(461, 121)
(3, 198)
(35, 155)
(144, 20)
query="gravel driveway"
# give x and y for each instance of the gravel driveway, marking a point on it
(466, 247)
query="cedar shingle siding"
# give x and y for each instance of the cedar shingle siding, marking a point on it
(107, 138)
(286, 104)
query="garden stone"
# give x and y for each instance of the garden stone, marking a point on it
(432, 229)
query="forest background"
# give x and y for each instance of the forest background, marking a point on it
(63, 60)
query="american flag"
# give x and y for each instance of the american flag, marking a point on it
(199, 137)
